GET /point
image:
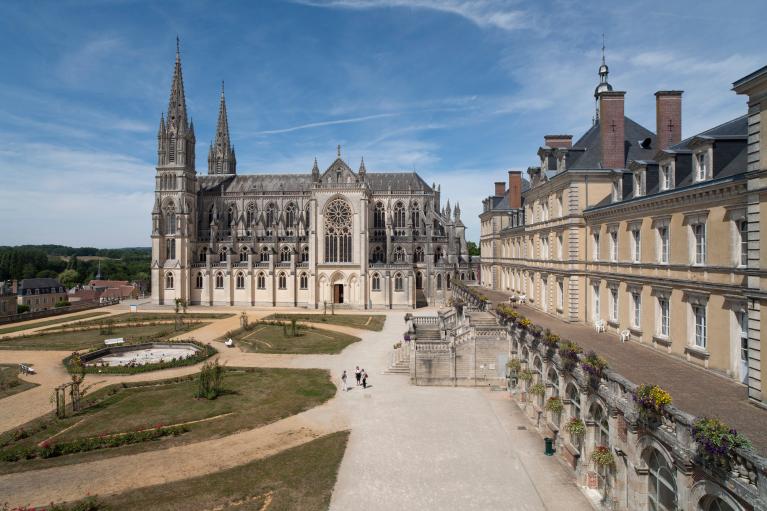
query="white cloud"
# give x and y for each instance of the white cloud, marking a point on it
(483, 13)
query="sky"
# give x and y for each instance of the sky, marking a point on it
(459, 91)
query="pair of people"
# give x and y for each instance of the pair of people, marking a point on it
(360, 375)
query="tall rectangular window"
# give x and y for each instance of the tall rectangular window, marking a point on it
(742, 317)
(614, 304)
(596, 246)
(699, 233)
(743, 245)
(636, 303)
(560, 295)
(663, 309)
(636, 245)
(560, 247)
(665, 177)
(701, 171)
(701, 331)
(614, 246)
(595, 291)
(663, 244)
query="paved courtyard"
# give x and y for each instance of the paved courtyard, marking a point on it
(694, 389)
(410, 447)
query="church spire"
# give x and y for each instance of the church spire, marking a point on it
(175, 136)
(221, 159)
(603, 86)
(177, 100)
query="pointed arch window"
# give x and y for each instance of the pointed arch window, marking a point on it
(447, 280)
(270, 212)
(379, 216)
(290, 216)
(415, 217)
(172, 149)
(204, 255)
(308, 223)
(376, 282)
(219, 280)
(399, 255)
(282, 281)
(261, 281)
(398, 282)
(399, 219)
(170, 218)
(303, 281)
(378, 255)
(264, 255)
(338, 232)
(169, 281)
(230, 216)
(438, 255)
(240, 280)
(418, 254)
(250, 214)
(305, 254)
(439, 281)
(199, 280)
(661, 488)
(244, 254)
(285, 254)
(222, 254)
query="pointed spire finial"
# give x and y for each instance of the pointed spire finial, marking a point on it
(178, 46)
(362, 170)
(339, 150)
(222, 87)
(603, 48)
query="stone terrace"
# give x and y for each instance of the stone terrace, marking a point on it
(694, 390)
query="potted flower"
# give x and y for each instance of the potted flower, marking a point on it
(575, 426)
(524, 323)
(716, 439)
(514, 366)
(526, 375)
(594, 366)
(537, 389)
(568, 354)
(602, 456)
(652, 400)
(554, 405)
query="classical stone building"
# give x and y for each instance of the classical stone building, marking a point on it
(40, 294)
(642, 233)
(354, 238)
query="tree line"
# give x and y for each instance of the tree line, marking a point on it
(67, 263)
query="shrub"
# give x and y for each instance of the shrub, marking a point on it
(568, 353)
(602, 456)
(514, 365)
(594, 366)
(575, 426)
(651, 398)
(716, 438)
(554, 405)
(211, 380)
(21, 309)
(526, 375)
(61, 303)
(537, 389)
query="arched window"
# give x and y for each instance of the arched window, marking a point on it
(222, 254)
(418, 255)
(552, 378)
(661, 484)
(305, 254)
(399, 255)
(264, 255)
(308, 222)
(398, 282)
(250, 214)
(270, 211)
(601, 439)
(219, 280)
(285, 254)
(439, 281)
(170, 218)
(169, 281)
(230, 216)
(379, 216)
(170, 248)
(376, 282)
(244, 254)
(399, 219)
(415, 217)
(199, 281)
(473, 276)
(282, 281)
(211, 213)
(447, 280)
(438, 255)
(378, 255)
(575, 400)
(303, 282)
(240, 280)
(261, 281)
(715, 504)
(204, 255)
(338, 232)
(172, 149)
(290, 215)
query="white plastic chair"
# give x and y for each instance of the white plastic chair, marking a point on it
(600, 325)
(625, 336)
(229, 343)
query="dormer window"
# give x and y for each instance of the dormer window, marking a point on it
(701, 169)
(638, 182)
(666, 175)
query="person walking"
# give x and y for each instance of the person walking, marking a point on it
(343, 381)
(358, 374)
(364, 379)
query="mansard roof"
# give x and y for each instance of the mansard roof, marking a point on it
(586, 153)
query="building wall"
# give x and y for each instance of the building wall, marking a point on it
(43, 301)
(8, 304)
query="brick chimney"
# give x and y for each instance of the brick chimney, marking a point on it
(668, 118)
(611, 129)
(515, 189)
(559, 141)
(500, 188)
(15, 287)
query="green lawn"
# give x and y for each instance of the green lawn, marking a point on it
(302, 478)
(10, 383)
(264, 338)
(144, 317)
(87, 339)
(17, 328)
(254, 397)
(364, 321)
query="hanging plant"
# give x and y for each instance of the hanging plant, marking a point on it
(554, 405)
(514, 365)
(535, 330)
(526, 375)
(568, 353)
(537, 389)
(603, 456)
(594, 366)
(651, 398)
(575, 426)
(716, 438)
(525, 323)
(550, 340)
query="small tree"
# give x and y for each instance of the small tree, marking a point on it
(211, 381)
(69, 278)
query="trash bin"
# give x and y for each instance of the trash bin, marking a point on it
(549, 443)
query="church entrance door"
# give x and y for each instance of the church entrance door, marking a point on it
(338, 293)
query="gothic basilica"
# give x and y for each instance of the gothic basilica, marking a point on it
(361, 239)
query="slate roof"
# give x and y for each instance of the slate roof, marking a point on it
(503, 202)
(42, 283)
(735, 129)
(378, 181)
(586, 153)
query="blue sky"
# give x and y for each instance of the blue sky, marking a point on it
(460, 91)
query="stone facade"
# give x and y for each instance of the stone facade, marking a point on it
(661, 247)
(40, 294)
(351, 238)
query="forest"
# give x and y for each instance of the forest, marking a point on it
(74, 265)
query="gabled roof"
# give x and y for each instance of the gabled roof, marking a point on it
(40, 283)
(586, 153)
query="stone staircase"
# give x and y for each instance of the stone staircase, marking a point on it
(482, 320)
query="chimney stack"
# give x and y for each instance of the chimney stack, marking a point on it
(558, 141)
(612, 129)
(15, 286)
(668, 118)
(500, 188)
(515, 189)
